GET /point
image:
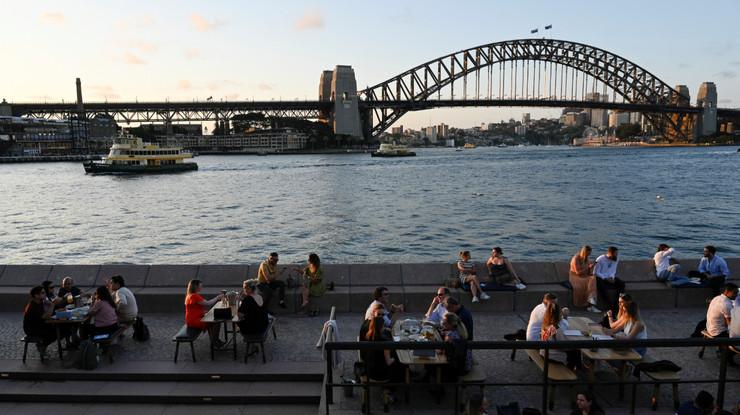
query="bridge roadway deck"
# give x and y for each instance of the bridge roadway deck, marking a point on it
(295, 344)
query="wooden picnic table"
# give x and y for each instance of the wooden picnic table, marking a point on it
(408, 358)
(72, 321)
(588, 329)
(209, 318)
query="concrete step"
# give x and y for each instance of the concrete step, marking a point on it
(161, 371)
(142, 391)
(153, 409)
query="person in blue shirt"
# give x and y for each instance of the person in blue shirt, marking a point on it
(713, 270)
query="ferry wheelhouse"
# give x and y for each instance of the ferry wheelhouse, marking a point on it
(132, 155)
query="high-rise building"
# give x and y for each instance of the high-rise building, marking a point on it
(525, 118)
(598, 118)
(443, 130)
(397, 130)
(618, 118)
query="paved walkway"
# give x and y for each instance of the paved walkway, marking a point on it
(297, 337)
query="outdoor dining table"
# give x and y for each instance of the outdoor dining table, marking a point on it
(73, 321)
(589, 329)
(408, 358)
(210, 318)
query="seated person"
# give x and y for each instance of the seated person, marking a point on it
(126, 307)
(703, 404)
(381, 296)
(196, 307)
(552, 331)
(469, 277)
(586, 405)
(380, 365)
(628, 325)
(719, 313)
(34, 319)
(253, 317)
(534, 326)
(459, 356)
(454, 306)
(313, 283)
(68, 288)
(51, 301)
(713, 270)
(268, 277)
(605, 271)
(581, 278)
(500, 270)
(437, 309)
(666, 267)
(103, 311)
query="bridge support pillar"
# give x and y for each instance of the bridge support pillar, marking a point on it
(707, 99)
(345, 118)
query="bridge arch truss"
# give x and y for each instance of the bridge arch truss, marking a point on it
(522, 72)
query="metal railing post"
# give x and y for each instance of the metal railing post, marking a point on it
(329, 378)
(722, 377)
(545, 380)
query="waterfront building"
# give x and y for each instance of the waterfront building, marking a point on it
(35, 136)
(431, 134)
(520, 130)
(397, 130)
(265, 141)
(618, 118)
(443, 130)
(574, 118)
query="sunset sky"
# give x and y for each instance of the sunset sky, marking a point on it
(185, 50)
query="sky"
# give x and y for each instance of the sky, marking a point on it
(263, 50)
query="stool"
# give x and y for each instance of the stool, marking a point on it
(366, 383)
(186, 335)
(659, 377)
(31, 339)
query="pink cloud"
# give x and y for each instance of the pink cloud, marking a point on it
(145, 46)
(132, 59)
(310, 21)
(103, 91)
(265, 86)
(55, 18)
(184, 84)
(202, 25)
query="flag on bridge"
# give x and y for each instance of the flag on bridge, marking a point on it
(548, 27)
(533, 31)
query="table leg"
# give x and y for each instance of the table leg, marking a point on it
(439, 383)
(59, 342)
(408, 384)
(622, 370)
(233, 337)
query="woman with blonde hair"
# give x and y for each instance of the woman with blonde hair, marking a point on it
(455, 336)
(469, 277)
(581, 277)
(629, 324)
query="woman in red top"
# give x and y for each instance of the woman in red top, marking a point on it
(196, 307)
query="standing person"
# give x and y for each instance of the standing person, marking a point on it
(454, 306)
(605, 272)
(34, 319)
(253, 317)
(437, 309)
(713, 270)
(381, 296)
(104, 312)
(581, 277)
(501, 270)
(586, 405)
(196, 307)
(469, 277)
(125, 300)
(269, 282)
(313, 282)
(534, 326)
(719, 313)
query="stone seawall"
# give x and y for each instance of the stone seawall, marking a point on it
(161, 288)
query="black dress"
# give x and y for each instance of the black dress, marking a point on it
(255, 317)
(375, 364)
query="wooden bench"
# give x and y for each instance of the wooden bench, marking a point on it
(556, 372)
(186, 335)
(705, 334)
(260, 338)
(31, 339)
(476, 376)
(659, 377)
(108, 342)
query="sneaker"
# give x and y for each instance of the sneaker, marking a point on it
(520, 286)
(475, 299)
(593, 309)
(484, 296)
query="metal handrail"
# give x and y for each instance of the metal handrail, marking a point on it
(546, 346)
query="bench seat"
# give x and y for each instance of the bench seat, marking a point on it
(186, 335)
(556, 372)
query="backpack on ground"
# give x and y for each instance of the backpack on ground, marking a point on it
(141, 331)
(89, 356)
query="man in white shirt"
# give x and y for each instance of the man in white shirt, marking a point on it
(382, 297)
(605, 272)
(126, 307)
(665, 270)
(534, 326)
(437, 308)
(719, 313)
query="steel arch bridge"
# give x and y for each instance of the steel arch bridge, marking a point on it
(541, 72)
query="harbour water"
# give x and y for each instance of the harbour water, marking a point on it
(534, 202)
